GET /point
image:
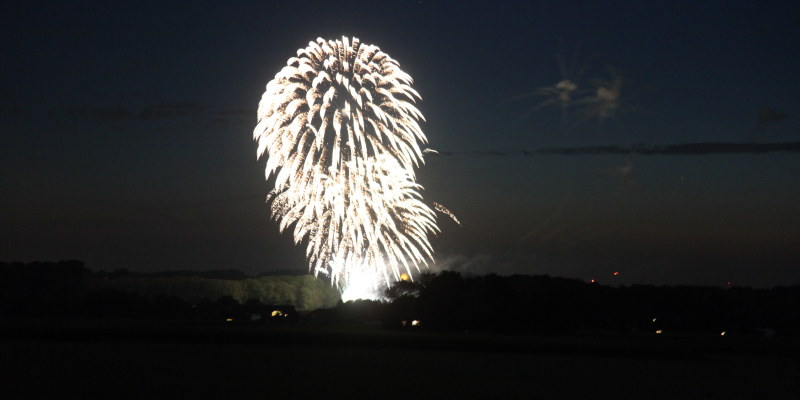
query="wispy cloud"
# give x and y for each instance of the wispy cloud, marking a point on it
(767, 119)
(147, 112)
(172, 110)
(11, 111)
(769, 116)
(673, 149)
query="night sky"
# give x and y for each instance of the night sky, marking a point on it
(127, 133)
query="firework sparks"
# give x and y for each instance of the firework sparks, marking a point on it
(444, 210)
(605, 102)
(341, 133)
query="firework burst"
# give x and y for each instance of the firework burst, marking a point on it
(342, 137)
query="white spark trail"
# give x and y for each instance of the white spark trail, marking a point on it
(341, 133)
(444, 210)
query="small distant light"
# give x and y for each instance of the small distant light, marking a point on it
(228, 319)
(659, 331)
(729, 283)
(415, 322)
(404, 277)
(722, 333)
(616, 273)
(654, 319)
(592, 281)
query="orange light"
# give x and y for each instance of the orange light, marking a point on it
(659, 331)
(404, 277)
(592, 281)
(228, 319)
(616, 273)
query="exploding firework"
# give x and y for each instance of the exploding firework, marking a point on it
(341, 132)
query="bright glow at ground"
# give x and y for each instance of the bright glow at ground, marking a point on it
(361, 292)
(362, 283)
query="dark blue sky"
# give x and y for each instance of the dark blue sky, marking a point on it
(126, 133)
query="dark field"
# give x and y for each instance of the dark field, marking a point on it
(147, 359)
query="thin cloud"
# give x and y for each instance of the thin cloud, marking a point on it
(157, 112)
(242, 112)
(674, 149)
(172, 110)
(768, 119)
(12, 111)
(112, 114)
(770, 116)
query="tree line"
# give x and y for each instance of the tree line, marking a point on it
(553, 305)
(68, 288)
(448, 301)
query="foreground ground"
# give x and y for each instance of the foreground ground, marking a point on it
(146, 360)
